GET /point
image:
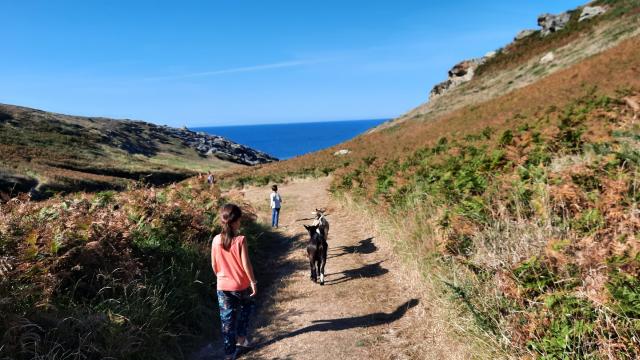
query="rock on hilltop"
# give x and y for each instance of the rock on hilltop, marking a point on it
(214, 145)
(458, 74)
(464, 71)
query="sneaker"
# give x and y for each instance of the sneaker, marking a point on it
(245, 344)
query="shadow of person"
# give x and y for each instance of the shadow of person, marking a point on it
(363, 321)
(365, 246)
(366, 271)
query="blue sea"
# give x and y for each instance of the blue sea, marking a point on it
(285, 141)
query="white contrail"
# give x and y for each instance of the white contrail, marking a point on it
(277, 65)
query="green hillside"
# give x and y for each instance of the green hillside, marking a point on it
(46, 153)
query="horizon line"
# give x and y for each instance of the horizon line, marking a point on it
(291, 123)
(160, 123)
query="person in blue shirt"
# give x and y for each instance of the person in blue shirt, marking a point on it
(276, 201)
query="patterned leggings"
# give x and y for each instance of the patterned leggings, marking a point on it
(235, 309)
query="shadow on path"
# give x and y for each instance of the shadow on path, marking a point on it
(364, 321)
(366, 271)
(365, 246)
(272, 268)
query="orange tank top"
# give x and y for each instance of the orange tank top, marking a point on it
(228, 264)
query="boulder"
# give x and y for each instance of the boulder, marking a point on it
(490, 54)
(459, 73)
(589, 12)
(523, 34)
(547, 58)
(341, 152)
(551, 23)
(440, 89)
(464, 68)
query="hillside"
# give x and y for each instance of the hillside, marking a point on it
(512, 82)
(515, 191)
(121, 275)
(530, 57)
(47, 152)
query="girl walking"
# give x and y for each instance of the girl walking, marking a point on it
(236, 283)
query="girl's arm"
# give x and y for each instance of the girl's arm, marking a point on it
(248, 268)
(213, 260)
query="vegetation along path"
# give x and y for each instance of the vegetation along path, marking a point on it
(368, 308)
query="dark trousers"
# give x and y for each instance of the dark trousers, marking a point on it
(275, 216)
(235, 310)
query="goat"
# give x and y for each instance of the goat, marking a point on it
(317, 252)
(321, 222)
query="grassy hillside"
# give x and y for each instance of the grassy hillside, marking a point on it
(610, 72)
(521, 205)
(518, 64)
(60, 153)
(534, 227)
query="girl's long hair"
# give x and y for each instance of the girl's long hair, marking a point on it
(229, 214)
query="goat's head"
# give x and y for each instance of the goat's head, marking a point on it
(318, 213)
(312, 229)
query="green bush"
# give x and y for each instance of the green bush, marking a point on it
(506, 138)
(588, 221)
(571, 331)
(625, 290)
(534, 277)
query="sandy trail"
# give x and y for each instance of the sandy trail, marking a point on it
(356, 314)
(368, 307)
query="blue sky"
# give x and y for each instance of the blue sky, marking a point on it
(221, 62)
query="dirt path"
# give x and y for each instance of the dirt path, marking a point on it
(368, 307)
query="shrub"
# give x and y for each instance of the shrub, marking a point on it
(506, 138)
(534, 277)
(589, 221)
(571, 329)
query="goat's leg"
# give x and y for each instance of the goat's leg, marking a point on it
(323, 262)
(312, 264)
(320, 276)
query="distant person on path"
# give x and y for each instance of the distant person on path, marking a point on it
(236, 283)
(276, 201)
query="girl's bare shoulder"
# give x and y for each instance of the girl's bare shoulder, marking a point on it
(216, 239)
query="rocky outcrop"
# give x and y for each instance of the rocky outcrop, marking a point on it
(460, 73)
(553, 23)
(490, 54)
(550, 23)
(524, 34)
(547, 58)
(341, 152)
(213, 145)
(589, 12)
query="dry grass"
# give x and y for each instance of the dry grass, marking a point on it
(109, 275)
(447, 324)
